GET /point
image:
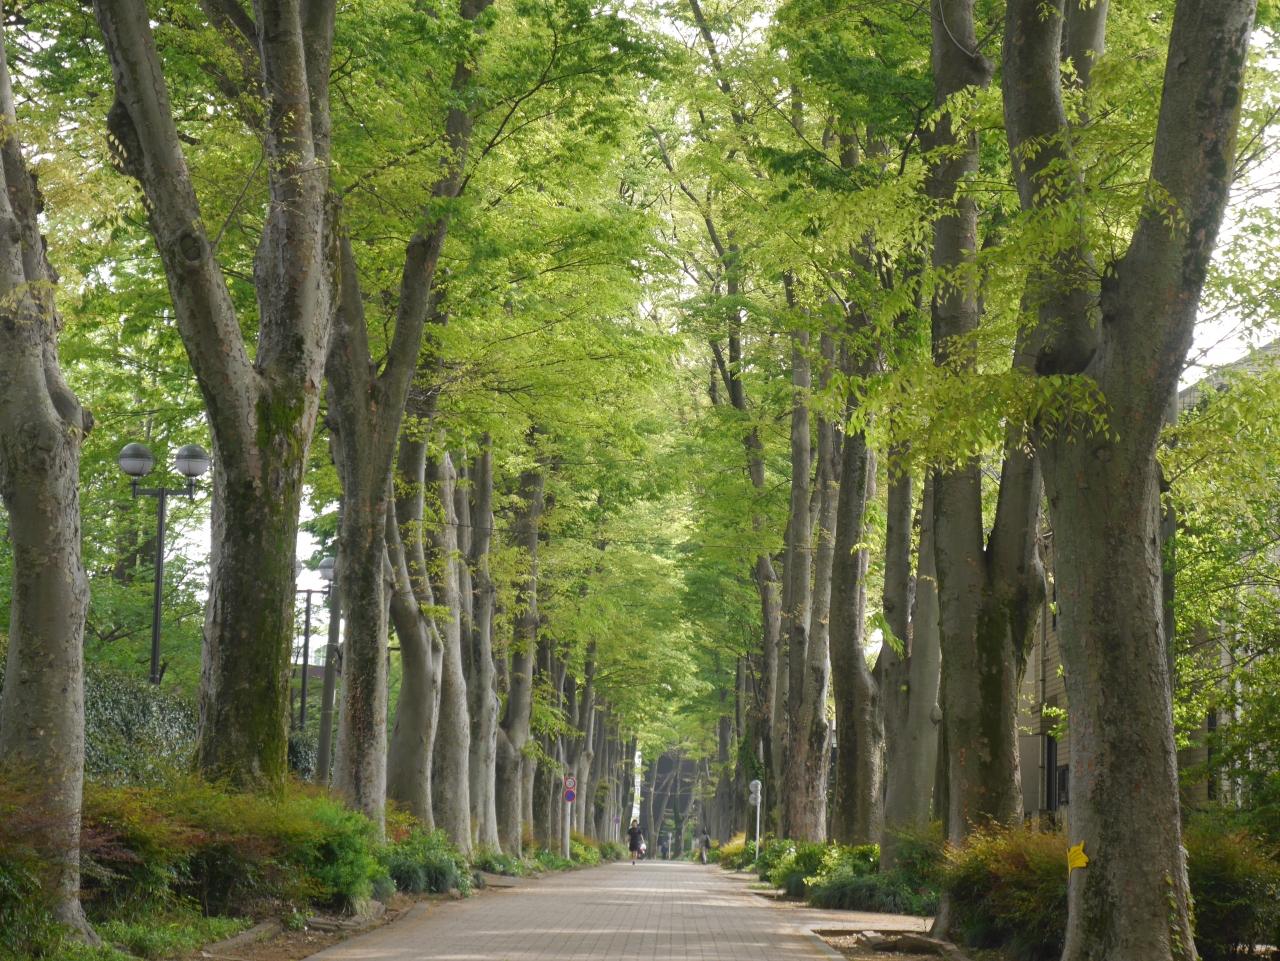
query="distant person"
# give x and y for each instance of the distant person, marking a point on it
(635, 840)
(704, 845)
(664, 847)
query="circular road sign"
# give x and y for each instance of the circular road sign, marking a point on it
(570, 783)
(570, 794)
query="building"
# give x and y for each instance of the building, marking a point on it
(1044, 736)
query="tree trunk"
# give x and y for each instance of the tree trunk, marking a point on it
(451, 788)
(42, 426)
(981, 656)
(412, 746)
(515, 721)
(262, 410)
(809, 755)
(481, 686)
(1132, 899)
(857, 810)
(909, 683)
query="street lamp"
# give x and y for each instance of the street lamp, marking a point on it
(136, 460)
(324, 748)
(326, 572)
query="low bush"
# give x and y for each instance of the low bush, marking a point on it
(891, 893)
(25, 922)
(230, 853)
(1236, 886)
(583, 850)
(495, 862)
(772, 850)
(135, 732)
(425, 862)
(549, 861)
(850, 879)
(737, 853)
(918, 855)
(791, 871)
(612, 851)
(1008, 889)
(172, 934)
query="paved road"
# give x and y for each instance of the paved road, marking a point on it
(650, 912)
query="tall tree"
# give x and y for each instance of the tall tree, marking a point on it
(516, 719)
(42, 426)
(907, 673)
(988, 585)
(366, 410)
(1129, 335)
(261, 408)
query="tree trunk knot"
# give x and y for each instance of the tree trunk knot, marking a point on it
(191, 246)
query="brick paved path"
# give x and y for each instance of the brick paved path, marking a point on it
(651, 912)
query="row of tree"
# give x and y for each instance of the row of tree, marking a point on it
(984, 326)
(298, 218)
(622, 355)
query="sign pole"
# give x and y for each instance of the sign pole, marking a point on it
(570, 794)
(758, 805)
(568, 806)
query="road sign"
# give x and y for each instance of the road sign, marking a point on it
(570, 782)
(570, 794)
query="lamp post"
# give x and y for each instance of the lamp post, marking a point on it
(326, 571)
(137, 461)
(324, 748)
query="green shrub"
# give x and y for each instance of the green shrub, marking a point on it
(918, 854)
(792, 870)
(612, 851)
(849, 879)
(228, 852)
(1236, 887)
(583, 850)
(170, 934)
(891, 893)
(737, 853)
(772, 850)
(1008, 889)
(495, 862)
(424, 861)
(25, 922)
(135, 732)
(549, 861)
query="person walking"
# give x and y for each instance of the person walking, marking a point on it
(705, 844)
(635, 840)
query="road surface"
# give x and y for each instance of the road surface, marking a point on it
(654, 911)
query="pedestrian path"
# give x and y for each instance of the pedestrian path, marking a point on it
(654, 911)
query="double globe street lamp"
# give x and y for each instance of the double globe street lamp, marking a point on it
(137, 461)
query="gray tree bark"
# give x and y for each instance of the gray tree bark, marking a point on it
(857, 806)
(1132, 899)
(451, 785)
(481, 685)
(515, 727)
(262, 411)
(908, 682)
(988, 592)
(366, 410)
(809, 753)
(42, 427)
(412, 745)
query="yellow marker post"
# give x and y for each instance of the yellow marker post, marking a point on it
(1076, 858)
